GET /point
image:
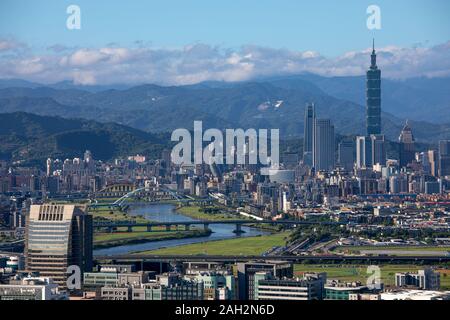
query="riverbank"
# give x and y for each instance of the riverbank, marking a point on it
(195, 212)
(205, 213)
(237, 246)
(102, 214)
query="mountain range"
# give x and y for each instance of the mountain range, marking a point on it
(261, 103)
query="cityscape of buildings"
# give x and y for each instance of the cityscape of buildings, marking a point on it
(352, 196)
(253, 280)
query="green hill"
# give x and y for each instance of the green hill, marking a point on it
(30, 137)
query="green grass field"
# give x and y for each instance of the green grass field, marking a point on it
(107, 200)
(358, 272)
(411, 248)
(115, 215)
(102, 237)
(195, 213)
(123, 238)
(239, 246)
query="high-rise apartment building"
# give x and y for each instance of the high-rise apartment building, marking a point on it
(58, 236)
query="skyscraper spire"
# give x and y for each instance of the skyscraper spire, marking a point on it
(373, 57)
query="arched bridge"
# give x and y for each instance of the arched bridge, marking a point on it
(149, 193)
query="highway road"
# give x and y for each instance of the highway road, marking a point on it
(296, 259)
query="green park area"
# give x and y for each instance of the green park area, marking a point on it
(352, 273)
(113, 214)
(206, 213)
(216, 213)
(238, 246)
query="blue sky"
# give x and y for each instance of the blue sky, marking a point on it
(330, 27)
(188, 41)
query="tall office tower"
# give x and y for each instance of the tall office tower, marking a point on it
(373, 96)
(378, 149)
(363, 152)
(310, 117)
(434, 162)
(58, 236)
(444, 158)
(323, 145)
(346, 155)
(406, 146)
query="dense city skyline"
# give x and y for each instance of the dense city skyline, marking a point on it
(310, 189)
(251, 178)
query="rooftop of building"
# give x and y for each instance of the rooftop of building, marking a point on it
(412, 294)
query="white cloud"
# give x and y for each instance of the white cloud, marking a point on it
(29, 66)
(200, 62)
(84, 57)
(84, 78)
(9, 44)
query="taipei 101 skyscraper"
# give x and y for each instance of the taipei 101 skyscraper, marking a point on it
(373, 96)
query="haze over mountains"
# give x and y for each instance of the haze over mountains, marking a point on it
(263, 103)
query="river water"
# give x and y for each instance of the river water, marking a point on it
(167, 213)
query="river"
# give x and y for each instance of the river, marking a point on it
(167, 213)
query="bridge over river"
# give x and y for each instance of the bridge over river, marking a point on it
(111, 226)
